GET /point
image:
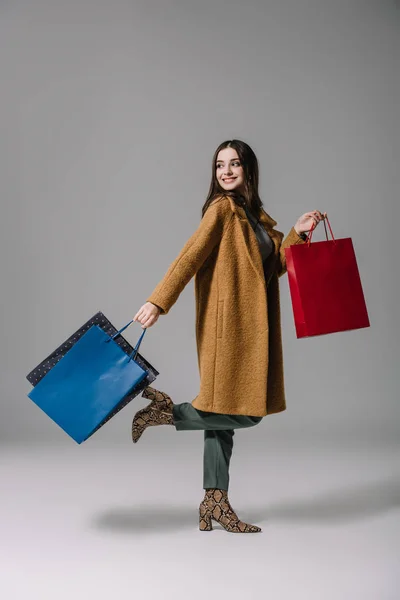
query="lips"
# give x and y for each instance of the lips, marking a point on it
(229, 179)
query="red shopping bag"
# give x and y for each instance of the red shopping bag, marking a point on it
(325, 286)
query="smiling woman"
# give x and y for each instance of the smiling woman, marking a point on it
(236, 257)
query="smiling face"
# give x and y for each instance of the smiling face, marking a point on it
(229, 171)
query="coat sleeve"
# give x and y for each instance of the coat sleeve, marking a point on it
(193, 254)
(291, 239)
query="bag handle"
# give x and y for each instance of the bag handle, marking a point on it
(313, 227)
(134, 352)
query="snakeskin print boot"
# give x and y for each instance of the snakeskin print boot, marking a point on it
(215, 505)
(158, 412)
(159, 400)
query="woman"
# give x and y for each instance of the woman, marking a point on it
(236, 257)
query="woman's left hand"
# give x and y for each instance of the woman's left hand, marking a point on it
(305, 222)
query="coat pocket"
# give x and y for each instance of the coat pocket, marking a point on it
(220, 317)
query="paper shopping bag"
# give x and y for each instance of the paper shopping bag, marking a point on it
(99, 318)
(88, 383)
(325, 287)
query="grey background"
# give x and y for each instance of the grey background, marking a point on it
(110, 114)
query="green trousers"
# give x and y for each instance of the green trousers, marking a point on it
(218, 439)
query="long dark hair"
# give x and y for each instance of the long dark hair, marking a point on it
(249, 163)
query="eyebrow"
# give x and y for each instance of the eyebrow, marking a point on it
(224, 161)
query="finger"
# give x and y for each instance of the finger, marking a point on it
(147, 321)
(138, 315)
(143, 323)
(143, 315)
(318, 216)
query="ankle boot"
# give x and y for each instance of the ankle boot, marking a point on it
(158, 412)
(159, 400)
(215, 505)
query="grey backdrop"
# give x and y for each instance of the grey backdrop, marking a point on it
(110, 113)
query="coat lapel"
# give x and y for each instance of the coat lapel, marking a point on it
(250, 239)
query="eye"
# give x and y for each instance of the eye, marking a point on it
(235, 163)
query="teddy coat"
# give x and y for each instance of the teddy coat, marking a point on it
(238, 321)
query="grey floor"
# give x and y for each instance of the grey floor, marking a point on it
(97, 521)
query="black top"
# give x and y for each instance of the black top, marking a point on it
(265, 244)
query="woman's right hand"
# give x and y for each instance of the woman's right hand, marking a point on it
(147, 314)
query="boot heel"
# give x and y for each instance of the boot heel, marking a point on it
(205, 523)
(216, 505)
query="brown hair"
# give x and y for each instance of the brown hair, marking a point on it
(249, 163)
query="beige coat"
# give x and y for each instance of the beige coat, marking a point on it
(238, 326)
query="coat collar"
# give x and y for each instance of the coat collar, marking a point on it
(251, 242)
(265, 218)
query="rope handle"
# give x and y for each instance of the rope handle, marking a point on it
(313, 227)
(134, 352)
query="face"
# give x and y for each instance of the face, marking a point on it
(228, 170)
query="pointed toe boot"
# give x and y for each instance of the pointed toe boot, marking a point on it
(216, 506)
(158, 412)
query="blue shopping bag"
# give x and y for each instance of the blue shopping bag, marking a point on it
(88, 383)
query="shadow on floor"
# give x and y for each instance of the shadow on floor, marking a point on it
(336, 506)
(147, 518)
(348, 504)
